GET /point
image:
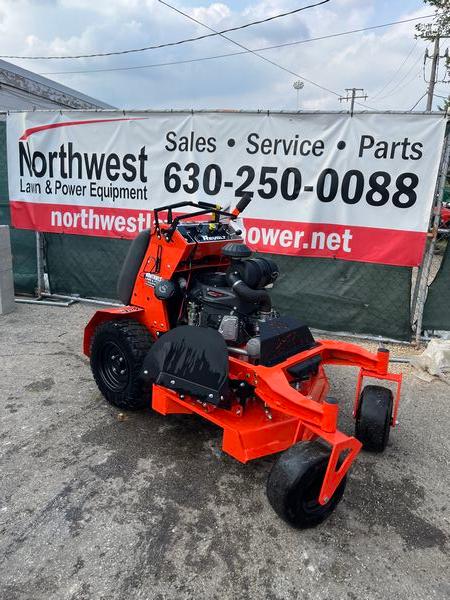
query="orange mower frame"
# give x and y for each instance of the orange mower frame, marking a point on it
(280, 411)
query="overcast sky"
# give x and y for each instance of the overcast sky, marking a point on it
(374, 60)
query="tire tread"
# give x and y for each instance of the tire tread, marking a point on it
(286, 473)
(375, 406)
(139, 343)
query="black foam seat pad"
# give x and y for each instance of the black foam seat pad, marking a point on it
(130, 266)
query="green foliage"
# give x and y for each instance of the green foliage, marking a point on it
(446, 105)
(441, 21)
(439, 26)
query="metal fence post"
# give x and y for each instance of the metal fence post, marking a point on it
(39, 265)
(42, 291)
(424, 272)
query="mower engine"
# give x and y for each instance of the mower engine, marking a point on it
(234, 302)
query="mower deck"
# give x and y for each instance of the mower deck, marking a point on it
(247, 433)
(278, 415)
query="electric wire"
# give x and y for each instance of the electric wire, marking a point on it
(421, 98)
(166, 45)
(401, 87)
(230, 54)
(273, 63)
(396, 88)
(277, 65)
(387, 84)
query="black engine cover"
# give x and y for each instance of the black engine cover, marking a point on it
(283, 337)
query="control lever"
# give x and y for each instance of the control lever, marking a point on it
(242, 204)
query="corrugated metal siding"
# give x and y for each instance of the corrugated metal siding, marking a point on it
(24, 90)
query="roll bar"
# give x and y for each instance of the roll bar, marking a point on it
(205, 207)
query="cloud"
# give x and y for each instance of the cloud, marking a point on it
(364, 60)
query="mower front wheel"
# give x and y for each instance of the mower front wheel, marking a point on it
(373, 417)
(118, 349)
(294, 485)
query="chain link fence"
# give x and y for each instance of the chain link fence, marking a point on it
(328, 294)
(436, 317)
(23, 242)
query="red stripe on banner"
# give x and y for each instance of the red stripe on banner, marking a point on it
(348, 242)
(26, 134)
(321, 240)
(79, 220)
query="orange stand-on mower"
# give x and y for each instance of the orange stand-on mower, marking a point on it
(198, 334)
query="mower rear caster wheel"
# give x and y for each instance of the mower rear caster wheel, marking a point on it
(294, 485)
(373, 418)
(118, 350)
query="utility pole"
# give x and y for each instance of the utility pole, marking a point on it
(351, 95)
(434, 66)
(434, 69)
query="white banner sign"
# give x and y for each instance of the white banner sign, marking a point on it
(325, 185)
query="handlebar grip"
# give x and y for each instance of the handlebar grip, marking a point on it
(242, 204)
(207, 205)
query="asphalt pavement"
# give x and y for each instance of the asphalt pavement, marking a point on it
(96, 504)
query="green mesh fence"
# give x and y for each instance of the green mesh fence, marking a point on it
(437, 306)
(328, 294)
(23, 243)
(339, 295)
(84, 265)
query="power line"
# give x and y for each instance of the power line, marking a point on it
(273, 63)
(399, 68)
(421, 98)
(396, 88)
(166, 45)
(230, 54)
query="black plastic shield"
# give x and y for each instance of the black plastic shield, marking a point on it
(190, 360)
(282, 338)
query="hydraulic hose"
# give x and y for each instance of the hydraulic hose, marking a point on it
(260, 297)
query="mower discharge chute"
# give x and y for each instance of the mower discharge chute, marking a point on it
(198, 334)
